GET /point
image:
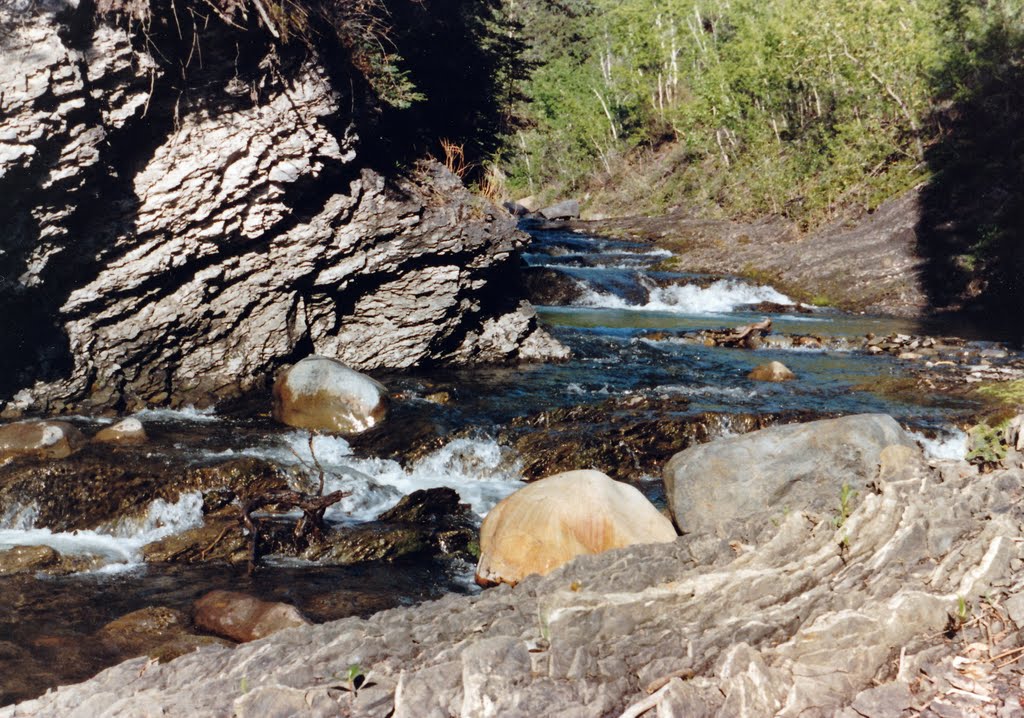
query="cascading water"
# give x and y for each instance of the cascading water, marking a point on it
(624, 328)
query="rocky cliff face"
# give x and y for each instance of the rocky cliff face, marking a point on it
(186, 207)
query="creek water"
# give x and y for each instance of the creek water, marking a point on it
(621, 295)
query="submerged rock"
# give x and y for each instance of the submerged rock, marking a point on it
(737, 485)
(546, 524)
(627, 437)
(322, 394)
(243, 618)
(42, 439)
(772, 371)
(157, 631)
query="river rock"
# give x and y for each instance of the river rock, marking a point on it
(803, 618)
(772, 371)
(43, 439)
(546, 524)
(156, 631)
(768, 474)
(126, 431)
(22, 559)
(322, 394)
(243, 618)
(566, 209)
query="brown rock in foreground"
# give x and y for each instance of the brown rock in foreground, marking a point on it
(243, 618)
(548, 523)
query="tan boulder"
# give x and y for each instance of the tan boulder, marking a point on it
(243, 618)
(551, 521)
(45, 439)
(772, 371)
(126, 431)
(322, 394)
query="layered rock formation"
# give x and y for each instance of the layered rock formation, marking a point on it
(186, 208)
(810, 620)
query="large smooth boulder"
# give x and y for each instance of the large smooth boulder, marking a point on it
(43, 439)
(566, 209)
(322, 394)
(549, 522)
(243, 618)
(728, 484)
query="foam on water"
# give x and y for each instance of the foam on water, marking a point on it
(185, 413)
(725, 295)
(725, 391)
(951, 444)
(480, 470)
(119, 544)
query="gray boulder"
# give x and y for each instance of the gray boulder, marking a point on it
(739, 485)
(566, 209)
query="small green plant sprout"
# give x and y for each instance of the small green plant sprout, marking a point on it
(846, 498)
(959, 617)
(963, 610)
(355, 678)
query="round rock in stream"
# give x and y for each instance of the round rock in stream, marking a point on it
(322, 394)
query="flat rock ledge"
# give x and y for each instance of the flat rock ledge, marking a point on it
(813, 620)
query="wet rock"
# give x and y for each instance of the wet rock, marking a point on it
(776, 471)
(550, 287)
(515, 209)
(126, 431)
(93, 488)
(27, 559)
(243, 618)
(546, 524)
(157, 631)
(220, 539)
(425, 506)
(41, 439)
(626, 437)
(322, 394)
(772, 371)
(566, 209)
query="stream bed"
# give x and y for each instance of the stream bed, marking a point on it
(626, 324)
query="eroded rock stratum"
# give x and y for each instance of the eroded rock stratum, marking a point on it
(172, 241)
(816, 616)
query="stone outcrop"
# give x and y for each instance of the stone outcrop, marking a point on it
(168, 245)
(321, 394)
(550, 522)
(809, 621)
(776, 471)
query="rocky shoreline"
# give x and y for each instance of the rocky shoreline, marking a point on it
(870, 265)
(900, 598)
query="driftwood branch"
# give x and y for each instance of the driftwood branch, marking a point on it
(309, 526)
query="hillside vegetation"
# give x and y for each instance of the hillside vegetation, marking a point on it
(757, 106)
